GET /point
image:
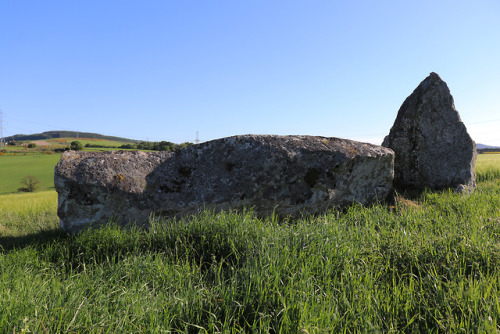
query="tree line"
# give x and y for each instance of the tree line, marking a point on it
(152, 146)
(143, 146)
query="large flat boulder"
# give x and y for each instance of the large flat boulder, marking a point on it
(287, 175)
(433, 149)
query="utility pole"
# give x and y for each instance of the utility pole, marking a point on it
(1, 130)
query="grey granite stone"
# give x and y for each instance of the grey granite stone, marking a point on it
(287, 175)
(433, 149)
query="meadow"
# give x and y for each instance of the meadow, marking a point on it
(104, 144)
(488, 166)
(65, 142)
(425, 264)
(18, 162)
(15, 166)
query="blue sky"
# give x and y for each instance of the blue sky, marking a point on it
(163, 70)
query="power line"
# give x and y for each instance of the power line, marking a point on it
(488, 121)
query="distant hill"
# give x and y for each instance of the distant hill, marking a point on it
(67, 134)
(482, 147)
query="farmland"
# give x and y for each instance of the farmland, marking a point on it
(53, 143)
(65, 142)
(20, 161)
(425, 264)
(16, 166)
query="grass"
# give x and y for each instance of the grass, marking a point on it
(84, 141)
(65, 142)
(25, 217)
(488, 166)
(13, 168)
(431, 265)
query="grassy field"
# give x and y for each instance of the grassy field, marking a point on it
(65, 142)
(488, 166)
(426, 265)
(84, 141)
(13, 168)
(27, 214)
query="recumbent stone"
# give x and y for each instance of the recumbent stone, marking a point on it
(285, 175)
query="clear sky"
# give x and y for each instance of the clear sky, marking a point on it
(165, 69)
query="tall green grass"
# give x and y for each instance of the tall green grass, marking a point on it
(432, 268)
(427, 266)
(488, 167)
(26, 217)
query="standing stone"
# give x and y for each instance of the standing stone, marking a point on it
(286, 175)
(433, 149)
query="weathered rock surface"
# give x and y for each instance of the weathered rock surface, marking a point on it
(289, 175)
(433, 149)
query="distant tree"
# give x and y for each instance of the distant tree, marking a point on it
(144, 146)
(30, 184)
(165, 146)
(127, 146)
(11, 142)
(31, 145)
(184, 145)
(160, 146)
(76, 146)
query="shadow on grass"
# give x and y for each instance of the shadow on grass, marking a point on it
(9, 243)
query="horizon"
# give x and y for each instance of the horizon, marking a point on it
(166, 71)
(77, 133)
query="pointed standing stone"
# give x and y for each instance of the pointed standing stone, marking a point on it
(431, 144)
